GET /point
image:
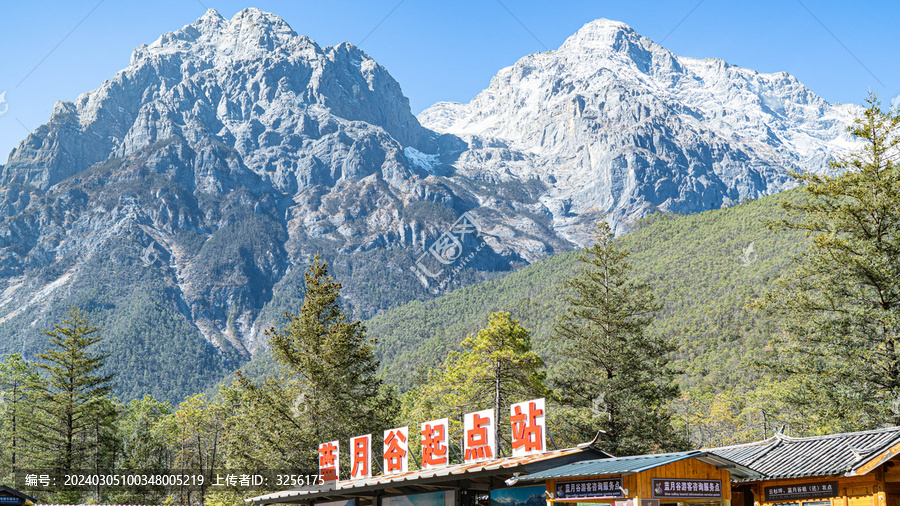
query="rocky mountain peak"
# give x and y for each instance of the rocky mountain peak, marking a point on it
(619, 43)
(250, 83)
(252, 32)
(248, 35)
(210, 23)
(602, 34)
(619, 126)
(205, 29)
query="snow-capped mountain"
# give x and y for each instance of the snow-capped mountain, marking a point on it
(180, 201)
(616, 124)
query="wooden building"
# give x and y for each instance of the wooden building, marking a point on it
(12, 497)
(850, 469)
(696, 477)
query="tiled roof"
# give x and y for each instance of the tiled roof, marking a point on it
(636, 464)
(836, 454)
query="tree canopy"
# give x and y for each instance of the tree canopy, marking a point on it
(496, 368)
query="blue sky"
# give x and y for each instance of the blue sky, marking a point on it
(448, 50)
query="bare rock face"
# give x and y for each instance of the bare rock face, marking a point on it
(250, 84)
(201, 179)
(180, 202)
(618, 125)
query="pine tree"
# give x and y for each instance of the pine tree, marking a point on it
(265, 429)
(333, 361)
(147, 431)
(198, 431)
(143, 443)
(17, 378)
(326, 387)
(496, 368)
(73, 423)
(840, 306)
(616, 376)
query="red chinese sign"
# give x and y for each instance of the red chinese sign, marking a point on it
(434, 443)
(479, 438)
(396, 450)
(361, 457)
(329, 455)
(528, 427)
(529, 436)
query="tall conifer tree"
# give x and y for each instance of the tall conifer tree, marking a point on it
(325, 385)
(334, 362)
(617, 376)
(74, 423)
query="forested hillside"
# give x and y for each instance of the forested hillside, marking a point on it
(704, 268)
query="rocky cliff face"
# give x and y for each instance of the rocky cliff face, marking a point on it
(180, 201)
(615, 124)
(200, 180)
(251, 84)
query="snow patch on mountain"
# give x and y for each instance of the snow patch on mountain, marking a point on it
(618, 126)
(422, 160)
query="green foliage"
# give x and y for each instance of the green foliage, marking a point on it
(147, 338)
(146, 431)
(73, 427)
(840, 304)
(427, 211)
(702, 269)
(143, 435)
(613, 367)
(265, 430)
(331, 358)
(18, 378)
(496, 368)
(198, 429)
(325, 388)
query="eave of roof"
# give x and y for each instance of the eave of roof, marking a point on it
(20, 495)
(420, 476)
(636, 464)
